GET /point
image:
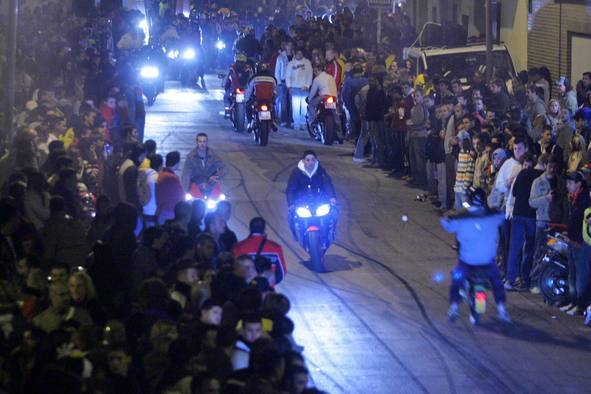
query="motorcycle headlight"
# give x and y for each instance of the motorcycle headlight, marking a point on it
(172, 54)
(220, 45)
(323, 210)
(149, 72)
(303, 212)
(211, 204)
(222, 197)
(189, 54)
(188, 197)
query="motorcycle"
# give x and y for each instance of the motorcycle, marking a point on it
(186, 64)
(552, 268)
(150, 82)
(261, 122)
(314, 223)
(210, 192)
(238, 110)
(474, 293)
(324, 127)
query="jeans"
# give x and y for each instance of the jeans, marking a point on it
(463, 270)
(312, 105)
(450, 178)
(459, 199)
(362, 141)
(540, 239)
(521, 248)
(579, 269)
(376, 134)
(398, 150)
(504, 237)
(417, 156)
(282, 104)
(436, 181)
(299, 106)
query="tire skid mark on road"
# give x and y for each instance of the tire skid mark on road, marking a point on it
(351, 310)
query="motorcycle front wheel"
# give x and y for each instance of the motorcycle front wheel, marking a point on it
(315, 252)
(554, 284)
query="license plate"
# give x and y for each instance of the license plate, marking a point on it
(265, 115)
(330, 105)
(239, 98)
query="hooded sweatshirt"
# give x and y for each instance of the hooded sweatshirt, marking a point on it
(304, 184)
(298, 73)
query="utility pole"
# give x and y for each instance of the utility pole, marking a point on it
(489, 38)
(11, 68)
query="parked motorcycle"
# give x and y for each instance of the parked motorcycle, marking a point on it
(552, 268)
(324, 128)
(313, 224)
(262, 120)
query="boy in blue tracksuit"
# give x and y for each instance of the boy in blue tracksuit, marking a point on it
(477, 232)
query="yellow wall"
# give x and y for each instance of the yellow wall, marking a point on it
(514, 30)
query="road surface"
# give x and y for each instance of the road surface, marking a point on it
(376, 323)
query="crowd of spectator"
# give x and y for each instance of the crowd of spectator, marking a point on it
(135, 290)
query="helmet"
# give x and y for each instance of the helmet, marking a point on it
(476, 197)
(261, 67)
(240, 57)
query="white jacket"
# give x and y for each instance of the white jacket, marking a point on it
(299, 74)
(147, 187)
(281, 67)
(323, 85)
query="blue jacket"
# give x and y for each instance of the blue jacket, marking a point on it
(351, 87)
(477, 235)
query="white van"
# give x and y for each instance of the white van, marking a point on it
(462, 62)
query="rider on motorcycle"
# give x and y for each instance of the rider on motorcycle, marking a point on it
(248, 44)
(262, 87)
(202, 167)
(322, 85)
(307, 181)
(477, 234)
(238, 76)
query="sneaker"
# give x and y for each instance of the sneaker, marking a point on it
(588, 316)
(509, 287)
(566, 307)
(357, 160)
(534, 289)
(503, 315)
(574, 311)
(453, 313)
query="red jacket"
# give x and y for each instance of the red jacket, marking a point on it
(335, 70)
(272, 250)
(169, 191)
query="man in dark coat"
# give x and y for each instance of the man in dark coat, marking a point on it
(309, 179)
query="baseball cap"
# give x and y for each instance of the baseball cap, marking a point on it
(562, 80)
(576, 176)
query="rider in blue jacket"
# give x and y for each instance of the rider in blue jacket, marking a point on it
(477, 233)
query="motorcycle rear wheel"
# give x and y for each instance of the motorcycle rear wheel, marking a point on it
(554, 285)
(329, 130)
(263, 133)
(239, 117)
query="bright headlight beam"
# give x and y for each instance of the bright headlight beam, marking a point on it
(303, 212)
(189, 54)
(220, 45)
(323, 210)
(149, 72)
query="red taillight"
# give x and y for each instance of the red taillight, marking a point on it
(239, 91)
(264, 108)
(330, 100)
(481, 296)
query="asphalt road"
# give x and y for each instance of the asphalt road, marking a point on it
(376, 323)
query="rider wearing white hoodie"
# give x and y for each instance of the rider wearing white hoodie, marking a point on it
(309, 179)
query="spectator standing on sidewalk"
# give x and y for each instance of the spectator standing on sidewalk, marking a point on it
(298, 79)
(417, 138)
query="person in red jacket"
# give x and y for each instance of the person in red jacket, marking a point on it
(334, 68)
(257, 244)
(169, 190)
